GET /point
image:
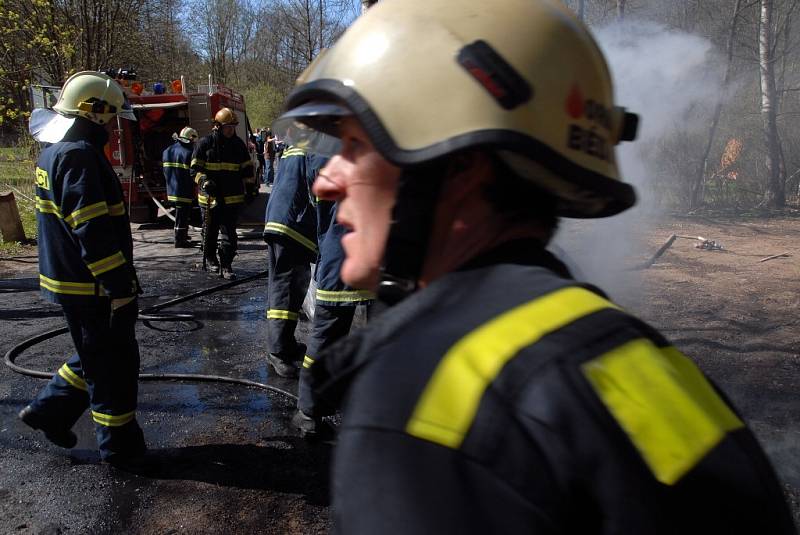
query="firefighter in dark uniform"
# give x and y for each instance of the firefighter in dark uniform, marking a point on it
(290, 231)
(86, 266)
(498, 395)
(176, 162)
(221, 164)
(334, 308)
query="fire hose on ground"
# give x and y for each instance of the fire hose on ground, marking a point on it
(146, 315)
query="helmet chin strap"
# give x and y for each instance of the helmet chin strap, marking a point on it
(412, 221)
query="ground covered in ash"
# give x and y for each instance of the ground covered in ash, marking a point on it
(228, 459)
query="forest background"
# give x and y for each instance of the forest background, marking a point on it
(745, 154)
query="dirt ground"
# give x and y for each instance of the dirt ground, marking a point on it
(235, 466)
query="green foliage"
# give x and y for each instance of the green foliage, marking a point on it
(264, 104)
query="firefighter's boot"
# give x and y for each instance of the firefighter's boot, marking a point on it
(313, 429)
(182, 239)
(212, 264)
(64, 438)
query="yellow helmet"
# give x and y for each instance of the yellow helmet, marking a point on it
(225, 116)
(523, 78)
(93, 95)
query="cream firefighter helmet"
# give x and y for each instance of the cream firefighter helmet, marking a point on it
(524, 78)
(186, 135)
(93, 95)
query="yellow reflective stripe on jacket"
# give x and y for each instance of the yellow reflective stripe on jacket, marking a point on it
(234, 199)
(116, 209)
(345, 296)
(276, 314)
(447, 406)
(198, 163)
(246, 163)
(47, 207)
(70, 288)
(283, 229)
(221, 166)
(72, 378)
(81, 215)
(664, 404)
(307, 362)
(175, 198)
(202, 200)
(293, 151)
(175, 164)
(110, 420)
(106, 264)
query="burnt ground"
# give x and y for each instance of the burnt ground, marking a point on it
(229, 462)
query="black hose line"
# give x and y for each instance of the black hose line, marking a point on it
(145, 315)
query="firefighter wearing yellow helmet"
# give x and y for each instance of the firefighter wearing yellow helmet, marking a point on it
(498, 395)
(221, 165)
(86, 266)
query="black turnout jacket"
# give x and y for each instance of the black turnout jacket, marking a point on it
(507, 398)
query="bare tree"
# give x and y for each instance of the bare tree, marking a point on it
(774, 195)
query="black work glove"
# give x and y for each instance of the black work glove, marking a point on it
(208, 186)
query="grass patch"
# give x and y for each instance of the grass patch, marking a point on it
(17, 175)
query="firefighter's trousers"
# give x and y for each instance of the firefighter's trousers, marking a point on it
(221, 229)
(330, 324)
(287, 283)
(182, 213)
(102, 375)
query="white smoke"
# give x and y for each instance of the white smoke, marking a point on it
(673, 81)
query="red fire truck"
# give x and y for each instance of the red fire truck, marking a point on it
(134, 148)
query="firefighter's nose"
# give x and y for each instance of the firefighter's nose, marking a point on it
(328, 185)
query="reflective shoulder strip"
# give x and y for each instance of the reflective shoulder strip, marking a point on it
(293, 152)
(84, 214)
(449, 402)
(345, 296)
(275, 314)
(246, 163)
(234, 199)
(283, 229)
(175, 198)
(110, 420)
(222, 166)
(69, 288)
(307, 362)
(116, 209)
(47, 207)
(663, 403)
(175, 164)
(72, 378)
(106, 264)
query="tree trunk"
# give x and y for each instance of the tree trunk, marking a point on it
(698, 187)
(774, 194)
(581, 10)
(620, 9)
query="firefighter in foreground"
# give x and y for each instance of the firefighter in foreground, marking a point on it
(290, 231)
(221, 165)
(499, 395)
(176, 162)
(86, 266)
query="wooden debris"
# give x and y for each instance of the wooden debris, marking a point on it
(660, 251)
(775, 256)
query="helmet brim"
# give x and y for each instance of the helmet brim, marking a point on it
(313, 125)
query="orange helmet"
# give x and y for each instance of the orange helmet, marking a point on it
(226, 116)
